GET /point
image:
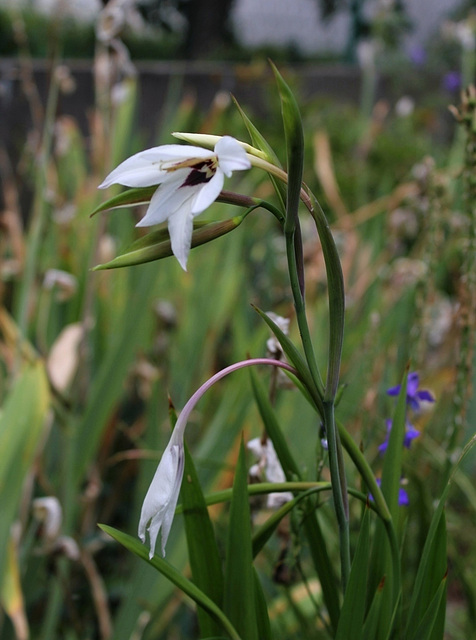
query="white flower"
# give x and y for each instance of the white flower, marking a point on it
(48, 511)
(404, 106)
(269, 464)
(161, 498)
(190, 179)
(273, 345)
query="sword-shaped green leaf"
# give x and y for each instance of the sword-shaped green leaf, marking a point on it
(294, 137)
(171, 573)
(239, 596)
(432, 625)
(202, 547)
(22, 422)
(381, 560)
(353, 607)
(431, 573)
(261, 143)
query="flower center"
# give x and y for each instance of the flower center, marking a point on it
(201, 173)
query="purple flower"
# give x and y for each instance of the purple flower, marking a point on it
(452, 81)
(418, 55)
(414, 395)
(410, 434)
(403, 499)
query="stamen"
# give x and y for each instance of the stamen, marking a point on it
(196, 163)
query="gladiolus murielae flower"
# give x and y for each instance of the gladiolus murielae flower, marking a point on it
(161, 499)
(268, 465)
(189, 180)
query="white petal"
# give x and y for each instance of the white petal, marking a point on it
(231, 156)
(168, 198)
(144, 169)
(159, 494)
(276, 500)
(208, 193)
(170, 512)
(255, 446)
(274, 470)
(180, 231)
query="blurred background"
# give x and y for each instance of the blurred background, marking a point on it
(88, 359)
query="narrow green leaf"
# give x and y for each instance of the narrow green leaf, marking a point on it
(353, 607)
(261, 143)
(381, 560)
(431, 572)
(239, 597)
(294, 136)
(124, 113)
(335, 293)
(433, 549)
(317, 543)
(22, 422)
(296, 359)
(262, 617)
(202, 548)
(257, 138)
(432, 625)
(128, 337)
(384, 529)
(371, 624)
(171, 573)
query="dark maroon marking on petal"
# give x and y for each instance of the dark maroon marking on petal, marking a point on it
(199, 176)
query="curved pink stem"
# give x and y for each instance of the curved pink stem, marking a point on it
(188, 408)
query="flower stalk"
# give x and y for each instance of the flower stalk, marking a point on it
(159, 505)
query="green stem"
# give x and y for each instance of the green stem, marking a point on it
(339, 489)
(263, 488)
(368, 476)
(300, 306)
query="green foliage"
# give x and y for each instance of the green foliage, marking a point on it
(22, 423)
(202, 548)
(78, 39)
(239, 601)
(351, 619)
